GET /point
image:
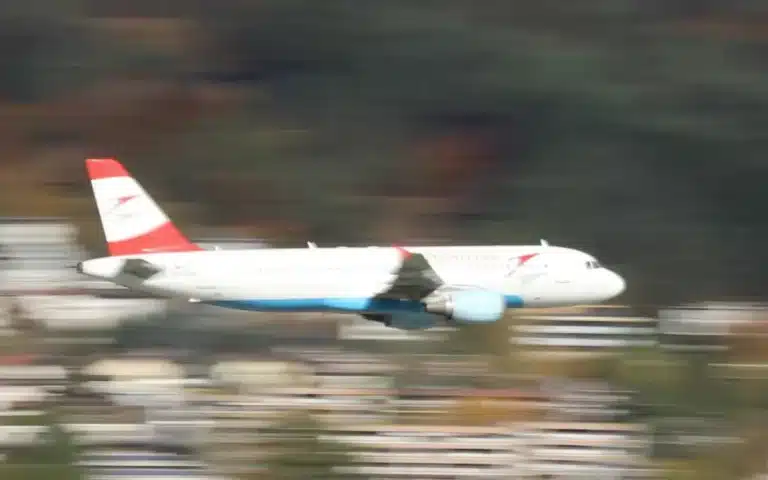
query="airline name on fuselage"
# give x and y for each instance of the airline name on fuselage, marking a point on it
(332, 263)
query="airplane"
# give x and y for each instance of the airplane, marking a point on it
(401, 287)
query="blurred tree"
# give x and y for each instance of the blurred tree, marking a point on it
(55, 457)
(674, 384)
(622, 104)
(601, 125)
(48, 50)
(726, 411)
(489, 412)
(744, 458)
(488, 339)
(747, 342)
(302, 452)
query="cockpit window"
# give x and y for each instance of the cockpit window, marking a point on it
(593, 265)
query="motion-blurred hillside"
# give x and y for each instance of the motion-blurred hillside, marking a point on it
(632, 129)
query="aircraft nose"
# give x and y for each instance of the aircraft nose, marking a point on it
(614, 285)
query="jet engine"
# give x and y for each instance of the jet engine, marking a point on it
(467, 306)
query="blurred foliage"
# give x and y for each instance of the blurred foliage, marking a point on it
(302, 452)
(490, 412)
(294, 447)
(631, 129)
(55, 457)
(601, 125)
(749, 342)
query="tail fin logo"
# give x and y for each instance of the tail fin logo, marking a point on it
(119, 202)
(131, 220)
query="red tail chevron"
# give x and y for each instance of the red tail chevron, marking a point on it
(131, 220)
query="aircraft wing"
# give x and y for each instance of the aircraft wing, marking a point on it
(414, 279)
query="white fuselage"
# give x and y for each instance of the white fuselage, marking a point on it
(348, 279)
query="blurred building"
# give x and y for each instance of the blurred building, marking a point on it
(706, 326)
(38, 254)
(172, 390)
(597, 329)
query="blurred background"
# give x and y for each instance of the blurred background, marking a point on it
(634, 130)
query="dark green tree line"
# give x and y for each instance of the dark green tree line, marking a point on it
(609, 128)
(630, 129)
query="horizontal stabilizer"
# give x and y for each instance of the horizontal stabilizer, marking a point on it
(139, 268)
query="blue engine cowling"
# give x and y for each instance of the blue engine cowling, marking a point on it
(468, 306)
